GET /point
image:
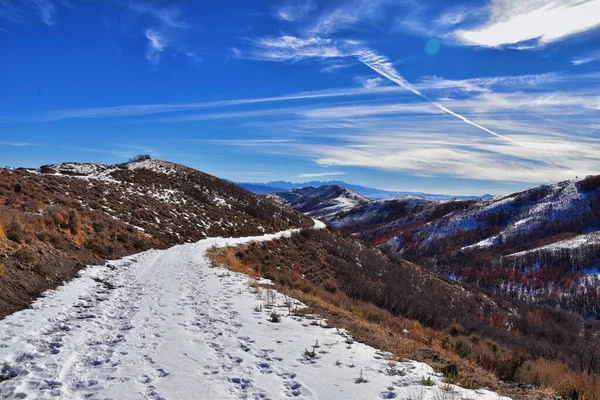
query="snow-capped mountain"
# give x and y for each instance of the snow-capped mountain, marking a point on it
(322, 202)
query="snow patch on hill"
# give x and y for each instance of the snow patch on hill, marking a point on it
(163, 167)
(524, 212)
(577, 242)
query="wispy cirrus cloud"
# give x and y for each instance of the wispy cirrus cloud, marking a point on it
(587, 58)
(46, 9)
(165, 29)
(436, 146)
(152, 109)
(289, 48)
(486, 84)
(156, 45)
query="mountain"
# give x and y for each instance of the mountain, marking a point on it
(503, 243)
(320, 202)
(371, 193)
(141, 323)
(58, 218)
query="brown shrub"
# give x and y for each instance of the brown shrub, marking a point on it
(25, 256)
(54, 239)
(58, 216)
(2, 270)
(15, 232)
(74, 222)
(455, 329)
(509, 364)
(330, 286)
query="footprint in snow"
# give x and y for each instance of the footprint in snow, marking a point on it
(388, 394)
(293, 389)
(243, 383)
(264, 368)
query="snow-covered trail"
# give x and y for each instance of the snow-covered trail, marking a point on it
(165, 325)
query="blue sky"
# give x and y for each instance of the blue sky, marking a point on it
(461, 97)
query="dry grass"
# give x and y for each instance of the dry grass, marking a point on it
(227, 258)
(372, 325)
(568, 384)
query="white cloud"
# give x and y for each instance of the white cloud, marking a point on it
(194, 58)
(290, 48)
(512, 22)
(320, 174)
(451, 18)
(156, 45)
(370, 83)
(588, 58)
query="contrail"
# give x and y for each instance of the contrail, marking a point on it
(383, 67)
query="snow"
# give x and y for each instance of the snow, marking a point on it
(163, 324)
(163, 167)
(579, 241)
(489, 242)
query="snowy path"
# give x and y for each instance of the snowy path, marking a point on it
(164, 325)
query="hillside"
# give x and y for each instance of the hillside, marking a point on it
(168, 325)
(55, 220)
(403, 308)
(499, 243)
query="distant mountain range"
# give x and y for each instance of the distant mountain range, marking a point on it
(371, 193)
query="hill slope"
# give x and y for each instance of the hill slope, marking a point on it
(500, 243)
(56, 220)
(164, 324)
